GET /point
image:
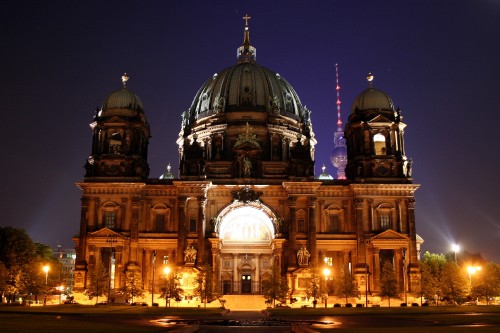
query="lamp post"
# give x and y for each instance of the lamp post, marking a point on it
(46, 269)
(153, 282)
(455, 248)
(166, 270)
(326, 272)
(472, 270)
(110, 240)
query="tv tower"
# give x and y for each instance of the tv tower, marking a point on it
(339, 153)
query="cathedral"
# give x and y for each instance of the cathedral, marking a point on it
(246, 197)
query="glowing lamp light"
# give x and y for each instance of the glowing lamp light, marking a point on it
(326, 272)
(166, 270)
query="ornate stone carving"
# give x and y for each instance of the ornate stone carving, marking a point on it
(246, 195)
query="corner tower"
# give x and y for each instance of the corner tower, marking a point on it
(120, 139)
(375, 140)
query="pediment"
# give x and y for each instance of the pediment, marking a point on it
(380, 119)
(105, 232)
(389, 235)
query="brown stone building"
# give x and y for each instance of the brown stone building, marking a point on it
(246, 196)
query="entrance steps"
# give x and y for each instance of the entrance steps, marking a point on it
(245, 302)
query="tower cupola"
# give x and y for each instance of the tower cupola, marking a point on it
(375, 139)
(120, 139)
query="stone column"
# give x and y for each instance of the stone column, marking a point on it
(360, 236)
(376, 268)
(292, 233)
(311, 203)
(257, 273)
(181, 242)
(235, 273)
(412, 232)
(202, 201)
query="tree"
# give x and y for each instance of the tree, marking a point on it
(170, 288)
(455, 284)
(22, 260)
(275, 287)
(488, 283)
(132, 286)
(346, 285)
(98, 282)
(316, 286)
(207, 285)
(388, 282)
(17, 251)
(432, 267)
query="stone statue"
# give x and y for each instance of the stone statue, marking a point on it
(190, 255)
(247, 167)
(303, 256)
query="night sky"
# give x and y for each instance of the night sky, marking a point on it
(438, 60)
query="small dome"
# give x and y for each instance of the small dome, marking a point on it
(124, 103)
(372, 99)
(324, 175)
(123, 99)
(168, 174)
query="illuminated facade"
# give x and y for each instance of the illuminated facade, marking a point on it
(246, 196)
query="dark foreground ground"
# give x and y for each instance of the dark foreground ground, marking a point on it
(127, 319)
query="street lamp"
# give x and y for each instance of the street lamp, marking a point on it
(455, 248)
(166, 270)
(472, 270)
(46, 269)
(153, 282)
(326, 272)
(110, 240)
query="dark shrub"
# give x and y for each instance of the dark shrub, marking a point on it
(348, 305)
(359, 305)
(337, 305)
(404, 304)
(414, 304)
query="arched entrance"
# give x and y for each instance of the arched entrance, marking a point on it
(246, 233)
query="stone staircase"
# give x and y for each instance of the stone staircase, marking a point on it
(244, 302)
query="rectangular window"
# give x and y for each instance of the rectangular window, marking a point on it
(385, 221)
(109, 220)
(160, 222)
(192, 225)
(301, 226)
(328, 261)
(334, 225)
(165, 260)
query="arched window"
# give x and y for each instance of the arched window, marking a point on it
(110, 212)
(384, 217)
(379, 144)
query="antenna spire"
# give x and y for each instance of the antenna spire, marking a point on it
(337, 88)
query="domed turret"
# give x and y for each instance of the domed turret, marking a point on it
(121, 135)
(246, 121)
(375, 140)
(123, 103)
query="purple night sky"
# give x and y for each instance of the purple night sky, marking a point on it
(438, 60)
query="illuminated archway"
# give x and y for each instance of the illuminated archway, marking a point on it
(246, 223)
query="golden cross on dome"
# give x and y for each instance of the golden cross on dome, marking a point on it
(246, 18)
